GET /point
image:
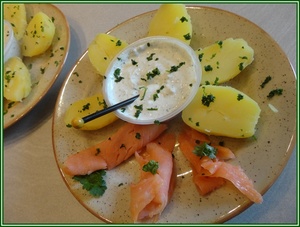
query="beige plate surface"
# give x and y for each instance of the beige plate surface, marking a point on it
(51, 62)
(262, 158)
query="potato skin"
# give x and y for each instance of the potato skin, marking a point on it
(172, 20)
(38, 36)
(103, 49)
(17, 80)
(229, 112)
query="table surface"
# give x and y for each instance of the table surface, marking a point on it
(34, 191)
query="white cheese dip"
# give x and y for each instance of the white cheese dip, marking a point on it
(164, 71)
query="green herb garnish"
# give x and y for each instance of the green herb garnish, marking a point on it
(240, 97)
(151, 166)
(205, 150)
(93, 183)
(267, 80)
(274, 92)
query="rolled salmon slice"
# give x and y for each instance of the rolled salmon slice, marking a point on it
(111, 152)
(210, 174)
(151, 194)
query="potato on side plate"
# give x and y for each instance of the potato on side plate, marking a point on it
(17, 80)
(38, 36)
(16, 15)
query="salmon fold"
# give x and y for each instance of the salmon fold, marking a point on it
(152, 193)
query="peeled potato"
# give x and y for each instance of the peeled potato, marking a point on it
(17, 80)
(38, 35)
(230, 113)
(16, 15)
(103, 49)
(224, 60)
(87, 106)
(172, 20)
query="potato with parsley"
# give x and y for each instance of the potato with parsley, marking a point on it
(85, 107)
(222, 111)
(224, 60)
(16, 15)
(172, 20)
(38, 36)
(17, 80)
(103, 49)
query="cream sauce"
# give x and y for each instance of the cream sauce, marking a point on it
(165, 72)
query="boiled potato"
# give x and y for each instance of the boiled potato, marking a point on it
(222, 111)
(38, 35)
(87, 106)
(103, 49)
(172, 20)
(224, 60)
(17, 80)
(16, 15)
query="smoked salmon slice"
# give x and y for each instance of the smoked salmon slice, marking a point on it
(151, 194)
(109, 153)
(210, 174)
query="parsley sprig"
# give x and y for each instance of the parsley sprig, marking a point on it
(205, 150)
(151, 166)
(94, 182)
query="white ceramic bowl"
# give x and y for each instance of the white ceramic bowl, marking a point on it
(11, 44)
(164, 71)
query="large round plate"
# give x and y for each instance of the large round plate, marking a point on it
(263, 157)
(45, 68)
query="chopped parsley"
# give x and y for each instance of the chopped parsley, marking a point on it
(156, 122)
(220, 43)
(139, 109)
(94, 182)
(155, 72)
(183, 19)
(274, 92)
(151, 166)
(118, 43)
(149, 58)
(207, 99)
(200, 56)
(208, 68)
(187, 36)
(267, 80)
(86, 106)
(205, 150)
(138, 135)
(241, 66)
(133, 62)
(117, 76)
(174, 68)
(240, 97)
